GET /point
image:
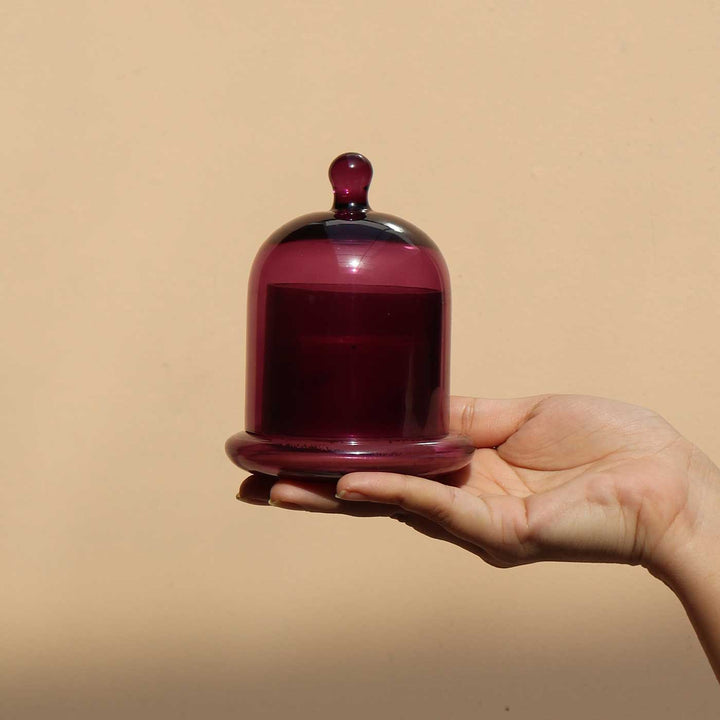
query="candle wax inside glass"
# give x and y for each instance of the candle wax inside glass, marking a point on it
(352, 361)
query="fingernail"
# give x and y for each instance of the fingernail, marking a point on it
(349, 495)
(251, 500)
(285, 505)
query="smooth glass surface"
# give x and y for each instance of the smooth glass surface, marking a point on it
(347, 343)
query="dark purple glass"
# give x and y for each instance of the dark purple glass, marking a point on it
(347, 345)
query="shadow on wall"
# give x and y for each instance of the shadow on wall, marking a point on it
(220, 680)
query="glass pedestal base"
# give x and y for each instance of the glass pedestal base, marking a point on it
(305, 459)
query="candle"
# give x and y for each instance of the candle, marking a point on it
(352, 361)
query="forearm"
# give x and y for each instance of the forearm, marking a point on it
(700, 596)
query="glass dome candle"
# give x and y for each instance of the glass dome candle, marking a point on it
(347, 345)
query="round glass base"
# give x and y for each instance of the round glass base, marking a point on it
(304, 459)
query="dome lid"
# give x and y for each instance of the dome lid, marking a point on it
(351, 217)
(347, 345)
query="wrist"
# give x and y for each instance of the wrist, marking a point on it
(687, 555)
(690, 562)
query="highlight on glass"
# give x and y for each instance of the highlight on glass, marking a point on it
(348, 338)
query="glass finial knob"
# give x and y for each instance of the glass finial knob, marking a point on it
(350, 175)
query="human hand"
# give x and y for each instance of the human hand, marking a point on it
(553, 478)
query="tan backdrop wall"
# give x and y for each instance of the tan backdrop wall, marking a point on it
(564, 156)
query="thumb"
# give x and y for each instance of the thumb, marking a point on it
(488, 422)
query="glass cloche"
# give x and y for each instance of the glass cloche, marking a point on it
(348, 345)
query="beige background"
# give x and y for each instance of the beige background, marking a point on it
(564, 155)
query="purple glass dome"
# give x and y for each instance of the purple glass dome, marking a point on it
(348, 345)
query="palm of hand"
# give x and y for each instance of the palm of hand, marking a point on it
(553, 478)
(580, 479)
